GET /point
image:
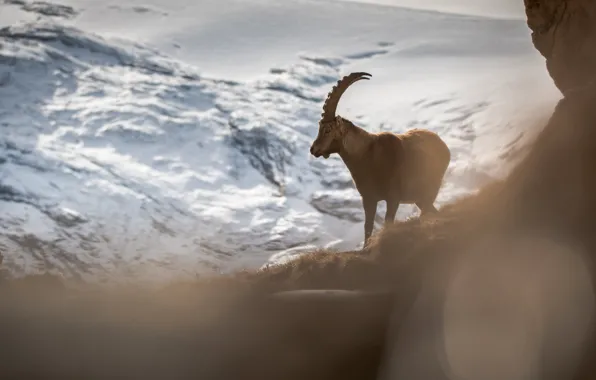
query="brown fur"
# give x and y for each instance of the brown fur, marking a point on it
(399, 169)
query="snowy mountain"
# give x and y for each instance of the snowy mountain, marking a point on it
(174, 137)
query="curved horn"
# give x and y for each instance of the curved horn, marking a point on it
(337, 91)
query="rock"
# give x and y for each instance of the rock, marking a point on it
(342, 204)
(563, 32)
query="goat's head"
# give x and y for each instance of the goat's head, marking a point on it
(331, 130)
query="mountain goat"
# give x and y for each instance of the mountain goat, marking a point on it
(405, 168)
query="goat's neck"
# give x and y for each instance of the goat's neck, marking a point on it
(355, 142)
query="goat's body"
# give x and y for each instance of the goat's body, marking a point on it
(405, 168)
(408, 167)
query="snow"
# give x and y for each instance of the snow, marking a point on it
(488, 8)
(172, 138)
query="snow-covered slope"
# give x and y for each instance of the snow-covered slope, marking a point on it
(174, 136)
(511, 9)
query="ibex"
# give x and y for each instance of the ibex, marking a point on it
(403, 168)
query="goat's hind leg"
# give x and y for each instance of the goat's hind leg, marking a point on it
(370, 210)
(426, 203)
(426, 208)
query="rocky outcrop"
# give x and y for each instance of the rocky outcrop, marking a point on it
(564, 31)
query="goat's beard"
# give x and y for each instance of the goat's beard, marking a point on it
(326, 156)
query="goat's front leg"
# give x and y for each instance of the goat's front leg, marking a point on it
(370, 210)
(392, 206)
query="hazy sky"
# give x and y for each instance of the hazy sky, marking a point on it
(497, 8)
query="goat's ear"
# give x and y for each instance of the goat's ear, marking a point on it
(339, 123)
(342, 123)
